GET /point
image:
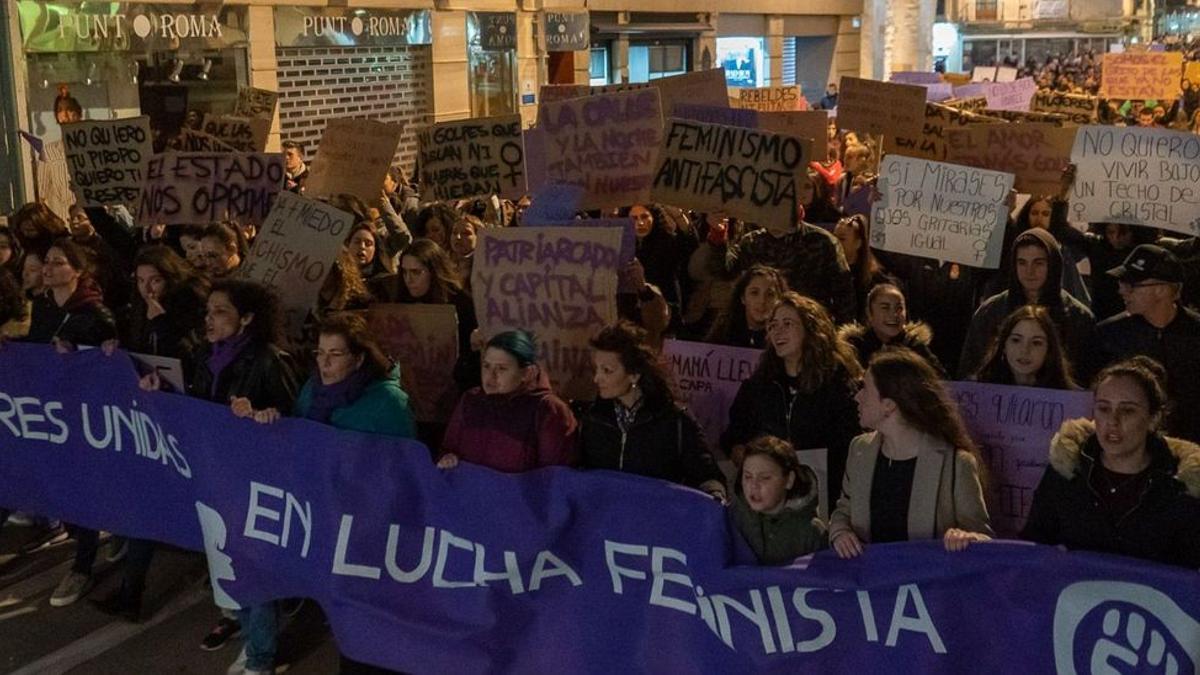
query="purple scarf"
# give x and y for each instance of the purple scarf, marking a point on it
(329, 397)
(223, 353)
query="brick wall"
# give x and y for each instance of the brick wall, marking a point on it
(389, 84)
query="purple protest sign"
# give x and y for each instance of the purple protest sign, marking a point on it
(915, 77)
(1013, 427)
(939, 92)
(553, 202)
(972, 90)
(708, 377)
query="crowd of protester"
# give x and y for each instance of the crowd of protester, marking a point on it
(856, 344)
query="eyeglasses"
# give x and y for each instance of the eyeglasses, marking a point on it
(331, 354)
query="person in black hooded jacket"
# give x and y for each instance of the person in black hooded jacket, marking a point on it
(71, 310)
(166, 315)
(803, 388)
(635, 425)
(1035, 277)
(888, 326)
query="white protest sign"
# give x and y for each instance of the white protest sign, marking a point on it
(983, 74)
(169, 370)
(108, 159)
(942, 211)
(245, 134)
(559, 283)
(606, 144)
(353, 157)
(747, 173)
(1137, 176)
(1013, 95)
(197, 188)
(474, 157)
(295, 249)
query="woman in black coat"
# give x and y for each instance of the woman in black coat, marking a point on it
(70, 311)
(1117, 485)
(166, 315)
(803, 389)
(635, 425)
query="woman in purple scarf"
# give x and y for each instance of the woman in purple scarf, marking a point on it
(243, 364)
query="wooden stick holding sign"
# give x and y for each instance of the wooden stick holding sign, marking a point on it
(942, 211)
(871, 107)
(474, 157)
(747, 173)
(108, 160)
(1036, 153)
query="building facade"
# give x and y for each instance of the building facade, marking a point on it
(406, 61)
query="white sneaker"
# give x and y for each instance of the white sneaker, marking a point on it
(73, 587)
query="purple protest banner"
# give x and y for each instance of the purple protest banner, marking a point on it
(915, 77)
(1013, 427)
(708, 377)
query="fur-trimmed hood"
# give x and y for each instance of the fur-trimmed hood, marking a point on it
(1067, 446)
(915, 332)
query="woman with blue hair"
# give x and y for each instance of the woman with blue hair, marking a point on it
(513, 422)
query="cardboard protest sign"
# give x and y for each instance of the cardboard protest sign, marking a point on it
(256, 103)
(1077, 108)
(941, 211)
(872, 107)
(191, 140)
(1035, 153)
(1012, 427)
(108, 159)
(766, 99)
(474, 157)
(1141, 75)
(956, 79)
(1006, 74)
(975, 104)
(804, 124)
(559, 283)
(746, 173)
(708, 377)
(1012, 95)
(704, 87)
(295, 249)
(244, 134)
(1138, 176)
(931, 142)
(197, 188)
(983, 74)
(352, 158)
(1191, 72)
(607, 144)
(423, 340)
(1022, 116)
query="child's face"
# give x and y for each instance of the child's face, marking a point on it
(764, 484)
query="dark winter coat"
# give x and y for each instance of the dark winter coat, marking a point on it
(1076, 324)
(915, 336)
(1164, 526)
(81, 320)
(262, 373)
(779, 538)
(825, 418)
(1177, 347)
(177, 333)
(663, 443)
(512, 432)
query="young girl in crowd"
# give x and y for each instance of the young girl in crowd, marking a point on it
(802, 390)
(363, 245)
(916, 475)
(427, 276)
(70, 311)
(1118, 485)
(512, 422)
(635, 425)
(1027, 352)
(888, 326)
(775, 503)
(744, 322)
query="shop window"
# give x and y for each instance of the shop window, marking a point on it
(987, 10)
(598, 67)
(651, 61)
(743, 60)
(978, 53)
(493, 88)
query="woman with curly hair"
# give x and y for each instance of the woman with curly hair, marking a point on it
(744, 322)
(916, 475)
(636, 425)
(166, 315)
(1027, 351)
(803, 388)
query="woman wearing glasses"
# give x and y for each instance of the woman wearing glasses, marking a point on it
(802, 390)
